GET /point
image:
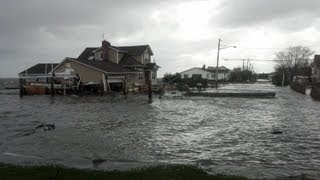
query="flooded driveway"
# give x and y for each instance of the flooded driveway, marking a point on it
(221, 135)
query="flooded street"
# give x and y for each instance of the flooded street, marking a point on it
(221, 135)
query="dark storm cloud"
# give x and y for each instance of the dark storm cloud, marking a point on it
(239, 13)
(44, 30)
(50, 30)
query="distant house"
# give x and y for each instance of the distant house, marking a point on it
(207, 73)
(315, 66)
(38, 72)
(112, 66)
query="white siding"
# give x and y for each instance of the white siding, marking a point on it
(204, 74)
(194, 71)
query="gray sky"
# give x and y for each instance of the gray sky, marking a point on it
(182, 34)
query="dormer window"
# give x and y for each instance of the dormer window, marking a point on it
(146, 58)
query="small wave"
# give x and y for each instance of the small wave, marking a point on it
(21, 155)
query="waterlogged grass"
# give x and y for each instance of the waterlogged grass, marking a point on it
(171, 172)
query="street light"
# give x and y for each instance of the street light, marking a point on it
(220, 48)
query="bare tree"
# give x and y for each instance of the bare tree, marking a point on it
(293, 61)
(294, 57)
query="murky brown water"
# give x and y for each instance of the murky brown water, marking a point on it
(224, 135)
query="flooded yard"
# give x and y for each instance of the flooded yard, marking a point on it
(221, 135)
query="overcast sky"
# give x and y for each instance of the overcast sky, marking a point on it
(182, 34)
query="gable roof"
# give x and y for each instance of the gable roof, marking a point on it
(128, 60)
(213, 69)
(130, 50)
(39, 69)
(126, 64)
(86, 53)
(210, 69)
(105, 66)
(135, 50)
(195, 68)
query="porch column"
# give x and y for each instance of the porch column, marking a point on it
(104, 82)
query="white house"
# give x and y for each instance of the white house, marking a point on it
(206, 73)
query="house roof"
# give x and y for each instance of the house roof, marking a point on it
(130, 50)
(106, 66)
(87, 53)
(126, 64)
(128, 60)
(213, 69)
(195, 68)
(39, 69)
(135, 50)
(209, 69)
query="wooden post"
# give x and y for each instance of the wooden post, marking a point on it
(64, 90)
(52, 86)
(108, 88)
(282, 78)
(149, 86)
(21, 87)
(124, 85)
(104, 82)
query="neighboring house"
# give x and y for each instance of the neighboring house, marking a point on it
(112, 66)
(38, 72)
(207, 73)
(315, 74)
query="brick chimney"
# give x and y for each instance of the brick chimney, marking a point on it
(104, 48)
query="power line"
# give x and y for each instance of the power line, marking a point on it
(227, 59)
(271, 48)
(259, 48)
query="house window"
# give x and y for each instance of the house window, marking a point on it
(196, 76)
(100, 56)
(153, 75)
(128, 79)
(212, 75)
(186, 76)
(146, 58)
(140, 76)
(207, 76)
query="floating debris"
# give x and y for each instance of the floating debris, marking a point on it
(98, 161)
(277, 132)
(29, 133)
(46, 127)
(40, 126)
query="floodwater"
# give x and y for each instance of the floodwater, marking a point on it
(220, 135)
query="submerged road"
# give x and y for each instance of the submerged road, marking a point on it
(221, 135)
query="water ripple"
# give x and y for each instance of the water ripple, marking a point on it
(221, 135)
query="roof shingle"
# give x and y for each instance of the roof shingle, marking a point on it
(39, 69)
(105, 66)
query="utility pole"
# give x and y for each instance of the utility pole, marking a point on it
(219, 41)
(282, 78)
(243, 65)
(52, 81)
